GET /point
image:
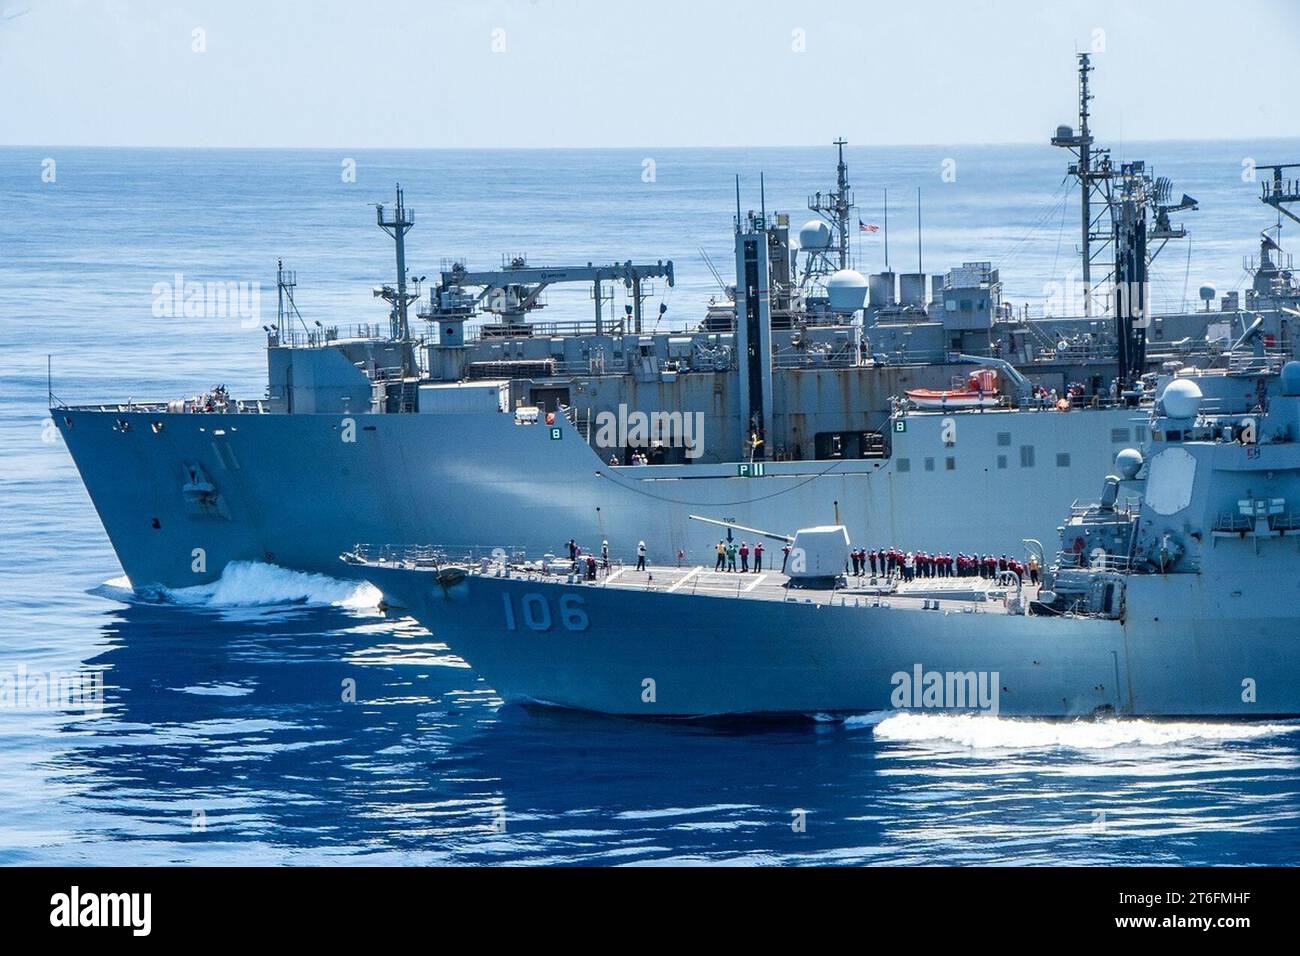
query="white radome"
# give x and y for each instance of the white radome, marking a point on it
(1182, 398)
(847, 290)
(815, 236)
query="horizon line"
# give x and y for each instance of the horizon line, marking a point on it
(713, 146)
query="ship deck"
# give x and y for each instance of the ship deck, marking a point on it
(955, 594)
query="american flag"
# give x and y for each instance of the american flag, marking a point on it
(865, 227)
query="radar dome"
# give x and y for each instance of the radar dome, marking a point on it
(847, 290)
(1291, 379)
(1129, 462)
(815, 236)
(1207, 293)
(1181, 398)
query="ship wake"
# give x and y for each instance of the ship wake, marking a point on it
(986, 732)
(255, 584)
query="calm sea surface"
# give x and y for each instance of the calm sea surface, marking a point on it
(223, 735)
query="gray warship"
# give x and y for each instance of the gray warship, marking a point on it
(784, 405)
(1173, 594)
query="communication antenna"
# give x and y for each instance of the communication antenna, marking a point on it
(285, 283)
(397, 226)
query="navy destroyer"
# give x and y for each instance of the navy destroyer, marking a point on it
(1173, 594)
(778, 407)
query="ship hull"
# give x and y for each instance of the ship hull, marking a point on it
(298, 490)
(634, 652)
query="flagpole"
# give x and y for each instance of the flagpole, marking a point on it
(918, 230)
(886, 230)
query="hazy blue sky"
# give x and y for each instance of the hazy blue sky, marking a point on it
(622, 73)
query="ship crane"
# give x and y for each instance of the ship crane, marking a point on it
(513, 291)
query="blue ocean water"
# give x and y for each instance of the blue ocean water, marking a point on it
(224, 735)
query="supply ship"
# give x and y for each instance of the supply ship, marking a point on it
(807, 394)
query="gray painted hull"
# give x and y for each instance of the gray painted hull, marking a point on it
(1175, 655)
(290, 491)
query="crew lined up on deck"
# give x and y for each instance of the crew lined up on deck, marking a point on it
(882, 562)
(909, 565)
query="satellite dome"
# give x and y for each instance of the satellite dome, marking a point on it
(1208, 292)
(1291, 379)
(1129, 462)
(847, 290)
(815, 236)
(1181, 398)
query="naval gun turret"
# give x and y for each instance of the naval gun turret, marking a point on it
(818, 556)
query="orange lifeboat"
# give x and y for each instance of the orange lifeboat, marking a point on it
(980, 391)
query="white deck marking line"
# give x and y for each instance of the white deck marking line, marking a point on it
(757, 581)
(614, 574)
(684, 578)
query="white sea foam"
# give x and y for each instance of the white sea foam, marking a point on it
(255, 584)
(217, 690)
(985, 732)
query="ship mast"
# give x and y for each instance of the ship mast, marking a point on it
(397, 226)
(1092, 171)
(836, 206)
(1085, 168)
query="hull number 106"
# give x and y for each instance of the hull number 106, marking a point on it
(535, 613)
